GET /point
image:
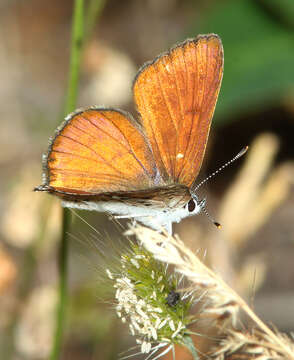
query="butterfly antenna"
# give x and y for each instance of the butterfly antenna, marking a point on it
(240, 153)
(203, 208)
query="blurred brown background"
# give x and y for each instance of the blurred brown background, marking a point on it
(253, 199)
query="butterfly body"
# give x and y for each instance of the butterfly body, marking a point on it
(155, 217)
(102, 159)
(158, 208)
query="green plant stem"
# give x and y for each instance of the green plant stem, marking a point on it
(80, 31)
(62, 300)
(188, 342)
(70, 104)
(75, 56)
(94, 9)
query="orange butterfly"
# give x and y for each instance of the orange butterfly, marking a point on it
(102, 159)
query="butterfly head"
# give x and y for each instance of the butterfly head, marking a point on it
(194, 205)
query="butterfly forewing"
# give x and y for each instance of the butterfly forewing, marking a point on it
(98, 151)
(176, 96)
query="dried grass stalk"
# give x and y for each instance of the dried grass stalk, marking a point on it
(256, 345)
(223, 303)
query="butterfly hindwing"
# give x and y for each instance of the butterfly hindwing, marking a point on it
(97, 151)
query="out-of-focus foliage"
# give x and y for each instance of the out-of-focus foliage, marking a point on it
(282, 10)
(259, 54)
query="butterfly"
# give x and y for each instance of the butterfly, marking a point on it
(102, 159)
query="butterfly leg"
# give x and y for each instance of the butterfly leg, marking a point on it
(168, 228)
(129, 216)
(150, 221)
(132, 217)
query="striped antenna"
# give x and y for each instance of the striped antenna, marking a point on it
(240, 153)
(202, 204)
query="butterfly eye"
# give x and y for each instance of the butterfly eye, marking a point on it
(191, 205)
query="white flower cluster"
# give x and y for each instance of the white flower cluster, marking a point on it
(144, 319)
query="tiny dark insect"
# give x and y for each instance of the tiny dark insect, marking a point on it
(172, 298)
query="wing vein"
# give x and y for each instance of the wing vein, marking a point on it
(171, 117)
(181, 111)
(74, 155)
(153, 133)
(89, 175)
(200, 114)
(98, 155)
(131, 149)
(195, 90)
(107, 133)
